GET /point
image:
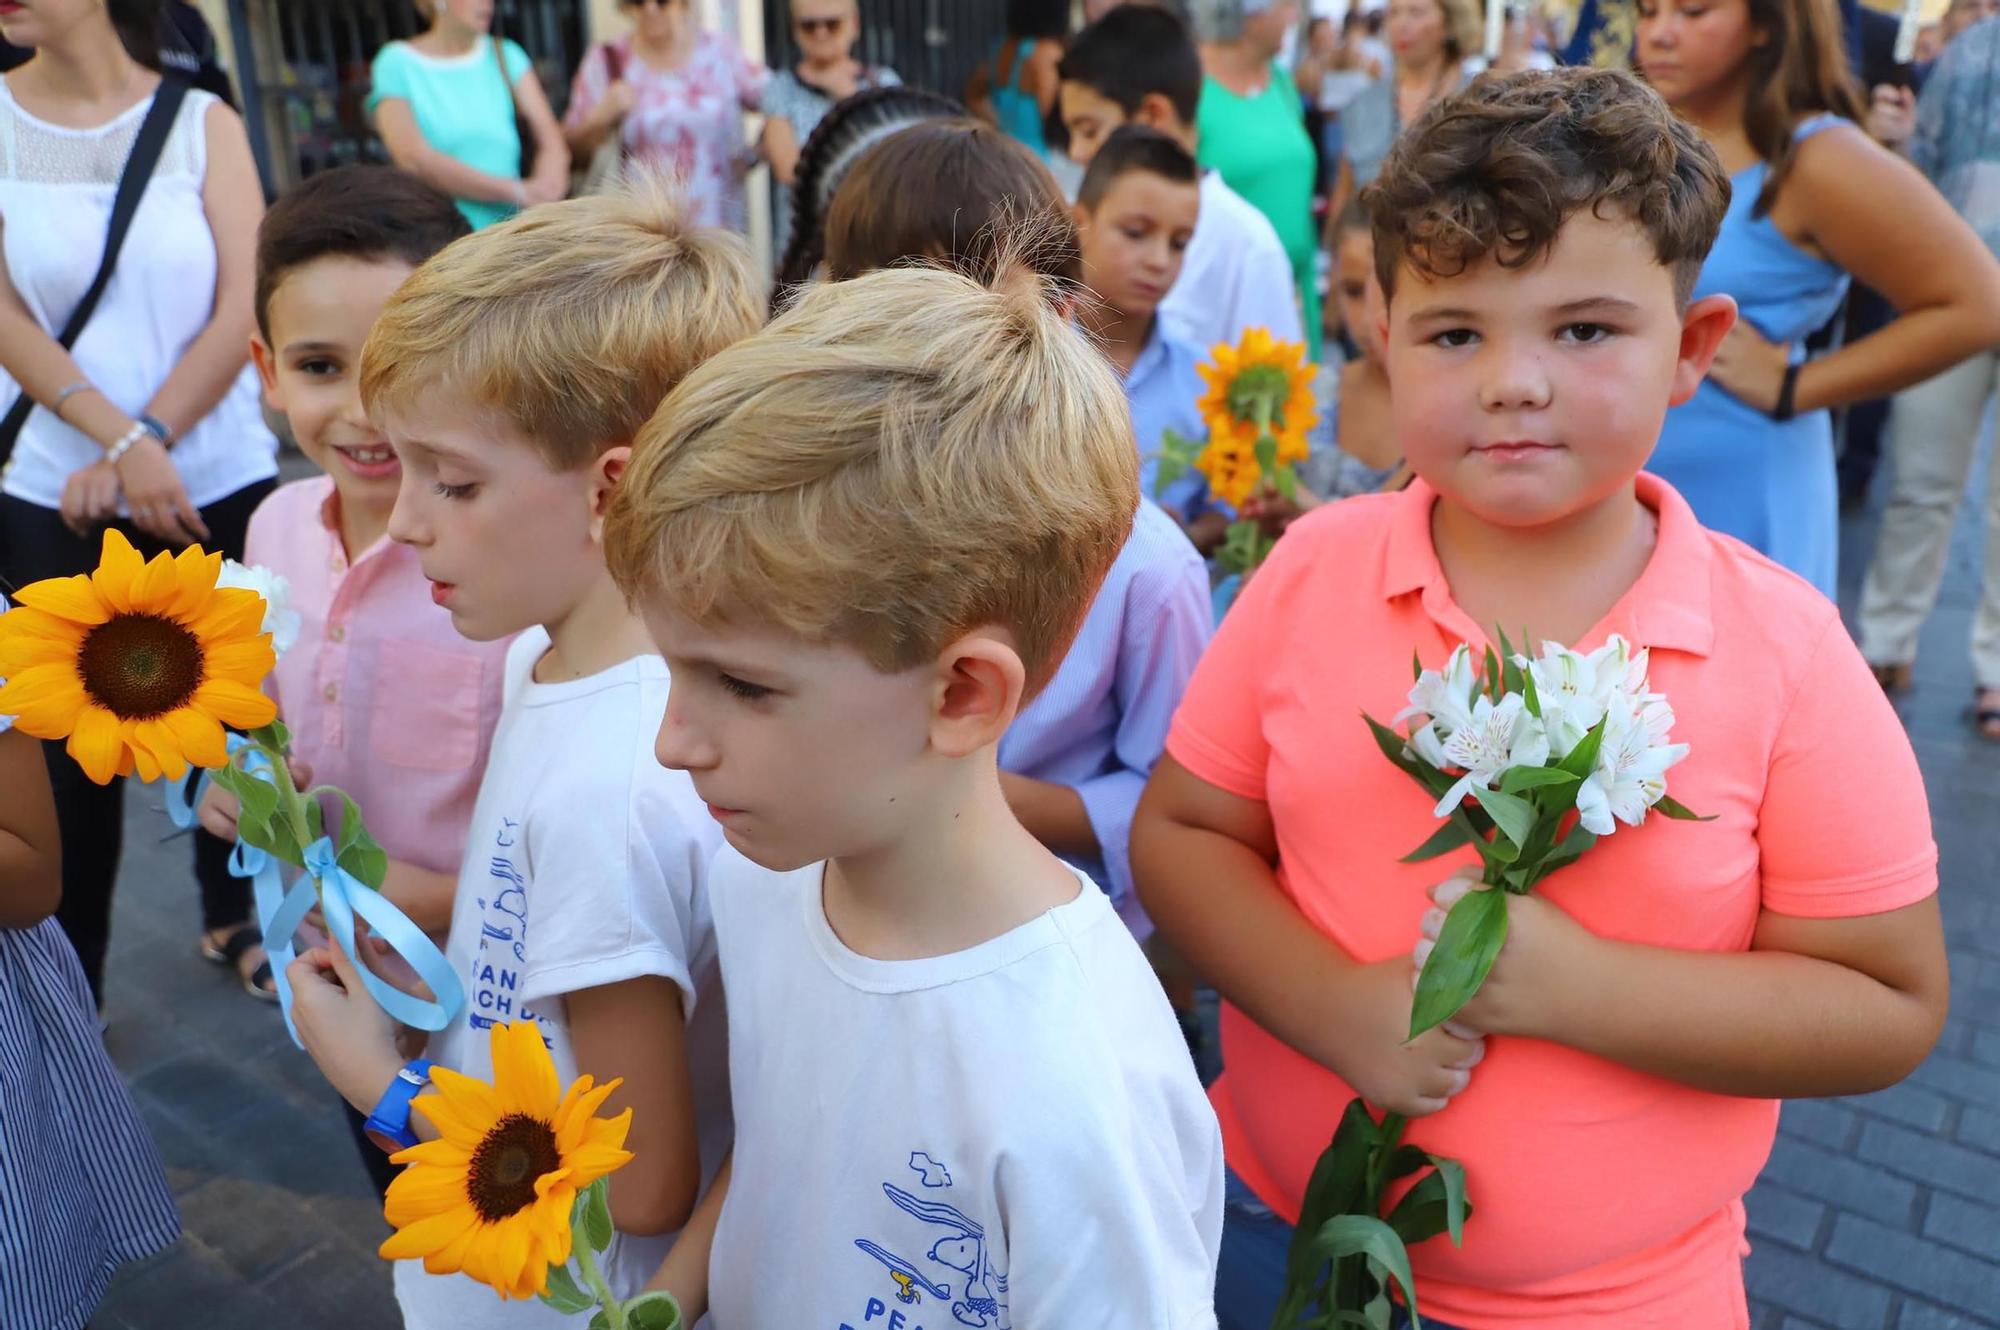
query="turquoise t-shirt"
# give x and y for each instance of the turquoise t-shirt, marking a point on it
(461, 106)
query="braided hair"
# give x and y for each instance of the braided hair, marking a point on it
(849, 129)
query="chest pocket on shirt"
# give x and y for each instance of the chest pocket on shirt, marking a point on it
(427, 709)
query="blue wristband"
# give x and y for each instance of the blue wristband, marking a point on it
(389, 1125)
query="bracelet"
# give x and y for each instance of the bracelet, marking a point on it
(1787, 406)
(159, 430)
(80, 386)
(125, 442)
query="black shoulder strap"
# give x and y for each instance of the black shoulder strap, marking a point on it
(146, 150)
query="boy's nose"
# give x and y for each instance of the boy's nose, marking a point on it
(678, 747)
(1516, 383)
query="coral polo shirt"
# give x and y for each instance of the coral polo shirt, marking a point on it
(1605, 1199)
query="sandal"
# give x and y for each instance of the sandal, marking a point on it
(1986, 715)
(259, 983)
(1894, 679)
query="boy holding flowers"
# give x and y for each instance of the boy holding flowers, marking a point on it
(1612, 1091)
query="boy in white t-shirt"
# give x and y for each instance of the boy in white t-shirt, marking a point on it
(1138, 65)
(862, 539)
(510, 373)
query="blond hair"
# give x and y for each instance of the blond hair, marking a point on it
(897, 460)
(571, 321)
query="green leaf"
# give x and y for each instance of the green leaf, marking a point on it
(1493, 675)
(259, 801)
(1457, 1208)
(1335, 1188)
(1466, 947)
(276, 736)
(1416, 665)
(1500, 850)
(1520, 779)
(564, 1295)
(601, 1321)
(1679, 812)
(1530, 697)
(597, 1215)
(1453, 835)
(1513, 815)
(1582, 759)
(1420, 1215)
(653, 1311)
(1285, 480)
(356, 850)
(1365, 1235)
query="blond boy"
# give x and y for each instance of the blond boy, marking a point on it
(510, 374)
(863, 539)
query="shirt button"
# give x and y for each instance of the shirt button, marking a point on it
(332, 691)
(337, 633)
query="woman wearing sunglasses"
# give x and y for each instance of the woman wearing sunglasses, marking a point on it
(800, 97)
(674, 94)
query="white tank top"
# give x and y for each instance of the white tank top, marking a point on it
(56, 187)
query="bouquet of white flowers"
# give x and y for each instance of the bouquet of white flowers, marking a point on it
(1531, 761)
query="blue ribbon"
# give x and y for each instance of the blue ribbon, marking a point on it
(341, 897)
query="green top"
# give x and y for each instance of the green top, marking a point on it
(1260, 146)
(462, 108)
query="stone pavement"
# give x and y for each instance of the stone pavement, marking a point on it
(1877, 1213)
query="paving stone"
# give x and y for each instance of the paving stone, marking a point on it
(1908, 1262)
(1825, 1122)
(1784, 1216)
(1980, 1129)
(1847, 1183)
(1911, 1105)
(1798, 1283)
(1923, 1316)
(1930, 1159)
(1962, 1223)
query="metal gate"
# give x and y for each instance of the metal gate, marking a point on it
(311, 61)
(933, 44)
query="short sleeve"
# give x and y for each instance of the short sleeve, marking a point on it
(612, 901)
(1218, 733)
(1845, 827)
(751, 78)
(587, 89)
(390, 76)
(517, 60)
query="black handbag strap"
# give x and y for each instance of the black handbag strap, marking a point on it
(146, 150)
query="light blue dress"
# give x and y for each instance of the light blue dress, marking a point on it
(1769, 484)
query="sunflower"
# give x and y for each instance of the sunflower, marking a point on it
(139, 665)
(492, 1196)
(1259, 372)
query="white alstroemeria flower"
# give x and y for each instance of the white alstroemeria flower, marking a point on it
(281, 621)
(1443, 696)
(1574, 689)
(1496, 737)
(1631, 774)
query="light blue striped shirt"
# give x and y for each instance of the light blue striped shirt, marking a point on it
(1162, 389)
(1102, 722)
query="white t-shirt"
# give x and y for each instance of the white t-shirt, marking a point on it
(586, 864)
(1234, 276)
(1009, 1137)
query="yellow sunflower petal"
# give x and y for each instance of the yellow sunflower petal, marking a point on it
(153, 590)
(116, 571)
(573, 1130)
(417, 1193)
(434, 1154)
(476, 1260)
(37, 685)
(195, 571)
(244, 662)
(427, 1236)
(148, 763)
(456, 1123)
(231, 614)
(154, 738)
(97, 743)
(198, 735)
(550, 1216)
(72, 598)
(469, 1095)
(21, 626)
(235, 704)
(450, 1258)
(510, 1242)
(524, 1076)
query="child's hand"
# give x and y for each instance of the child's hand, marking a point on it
(1525, 992)
(1274, 512)
(1386, 1067)
(353, 1040)
(218, 812)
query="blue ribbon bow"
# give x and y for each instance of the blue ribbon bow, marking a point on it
(341, 897)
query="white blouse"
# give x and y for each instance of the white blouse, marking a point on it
(56, 188)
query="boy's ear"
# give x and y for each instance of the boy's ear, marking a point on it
(605, 473)
(1703, 327)
(980, 683)
(1156, 111)
(267, 371)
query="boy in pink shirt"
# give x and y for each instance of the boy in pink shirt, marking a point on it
(1613, 1090)
(383, 697)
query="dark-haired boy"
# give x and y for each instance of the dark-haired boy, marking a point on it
(1138, 65)
(1537, 237)
(383, 697)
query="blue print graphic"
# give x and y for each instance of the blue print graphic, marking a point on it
(503, 939)
(958, 1257)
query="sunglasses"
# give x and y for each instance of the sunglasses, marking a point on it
(809, 27)
(649, 4)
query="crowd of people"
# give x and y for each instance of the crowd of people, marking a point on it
(837, 650)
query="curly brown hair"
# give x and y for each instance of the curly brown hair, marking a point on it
(1497, 169)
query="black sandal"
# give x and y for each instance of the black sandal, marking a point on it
(259, 983)
(1985, 719)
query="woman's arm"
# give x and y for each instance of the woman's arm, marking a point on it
(30, 848)
(550, 180)
(685, 1271)
(397, 124)
(635, 1030)
(37, 361)
(1878, 218)
(1038, 76)
(780, 147)
(1336, 203)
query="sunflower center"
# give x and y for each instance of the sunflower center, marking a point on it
(138, 666)
(501, 1178)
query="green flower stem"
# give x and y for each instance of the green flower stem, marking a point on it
(586, 1260)
(290, 802)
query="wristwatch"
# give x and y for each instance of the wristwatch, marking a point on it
(389, 1125)
(158, 429)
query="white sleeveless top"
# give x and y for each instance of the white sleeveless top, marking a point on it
(56, 187)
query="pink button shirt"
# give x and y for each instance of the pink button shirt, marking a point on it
(383, 697)
(1605, 1199)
